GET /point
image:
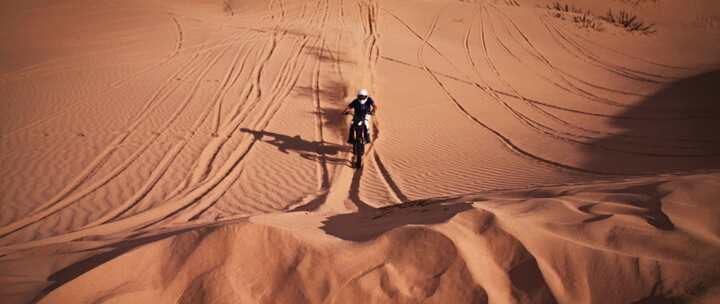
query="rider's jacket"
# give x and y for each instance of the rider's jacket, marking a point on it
(361, 109)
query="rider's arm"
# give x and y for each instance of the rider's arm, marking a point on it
(349, 108)
(374, 108)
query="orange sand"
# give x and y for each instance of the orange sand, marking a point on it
(193, 151)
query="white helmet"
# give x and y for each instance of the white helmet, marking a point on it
(362, 92)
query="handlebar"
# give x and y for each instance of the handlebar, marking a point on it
(349, 113)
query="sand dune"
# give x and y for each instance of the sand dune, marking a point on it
(195, 152)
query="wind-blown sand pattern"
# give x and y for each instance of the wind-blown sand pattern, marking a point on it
(194, 152)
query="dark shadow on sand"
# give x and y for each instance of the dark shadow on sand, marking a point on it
(311, 150)
(647, 197)
(328, 55)
(675, 129)
(369, 223)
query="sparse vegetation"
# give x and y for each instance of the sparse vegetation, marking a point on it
(628, 21)
(563, 8)
(582, 18)
(639, 2)
(585, 19)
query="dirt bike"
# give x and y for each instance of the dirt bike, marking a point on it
(358, 142)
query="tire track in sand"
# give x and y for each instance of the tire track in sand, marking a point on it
(523, 118)
(506, 141)
(135, 220)
(322, 171)
(69, 195)
(326, 185)
(194, 51)
(210, 189)
(230, 78)
(573, 138)
(115, 85)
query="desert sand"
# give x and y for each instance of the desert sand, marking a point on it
(523, 152)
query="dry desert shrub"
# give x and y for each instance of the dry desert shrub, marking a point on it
(639, 2)
(563, 8)
(587, 20)
(628, 21)
(582, 18)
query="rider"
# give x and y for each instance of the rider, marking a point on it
(363, 106)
